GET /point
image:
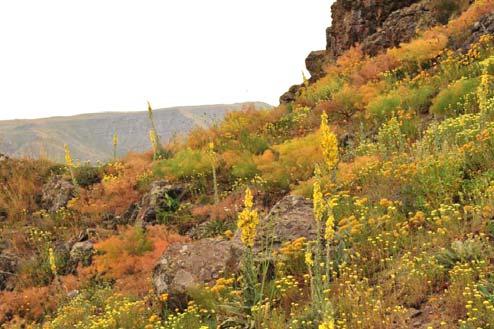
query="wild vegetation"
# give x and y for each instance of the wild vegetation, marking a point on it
(396, 152)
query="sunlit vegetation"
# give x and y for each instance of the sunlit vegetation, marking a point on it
(396, 152)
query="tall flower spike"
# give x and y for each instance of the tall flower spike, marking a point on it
(51, 260)
(329, 230)
(68, 157)
(153, 139)
(329, 143)
(318, 201)
(248, 220)
(115, 145)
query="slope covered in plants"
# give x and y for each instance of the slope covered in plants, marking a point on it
(395, 152)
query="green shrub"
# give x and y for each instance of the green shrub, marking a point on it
(245, 168)
(253, 143)
(187, 163)
(390, 138)
(450, 133)
(87, 175)
(458, 98)
(383, 107)
(436, 181)
(418, 99)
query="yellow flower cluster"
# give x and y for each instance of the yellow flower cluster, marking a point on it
(248, 220)
(52, 261)
(153, 138)
(329, 143)
(328, 324)
(68, 157)
(222, 284)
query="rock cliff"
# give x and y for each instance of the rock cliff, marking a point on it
(374, 24)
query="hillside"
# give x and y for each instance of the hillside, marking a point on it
(364, 200)
(90, 135)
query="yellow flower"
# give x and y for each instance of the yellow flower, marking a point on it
(229, 234)
(308, 259)
(248, 220)
(68, 157)
(52, 261)
(164, 297)
(153, 138)
(115, 139)
(318, 202)
(329, 143)
(328, 324)
(329, 231)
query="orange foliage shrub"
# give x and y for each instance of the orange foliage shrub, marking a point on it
(119, 261)
(20, 182)
(348, 171)
(117, 193)
(30, 304)
(227, 209)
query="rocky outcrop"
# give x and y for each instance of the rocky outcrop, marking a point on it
(56, 193)
(400, 26)
(374, 24)
(162, 197)
(8, 266)
(291, 94)
(289, 219)
(315, 63)
(81, 253)
(355, 20)
(187, 265)
(483, 27)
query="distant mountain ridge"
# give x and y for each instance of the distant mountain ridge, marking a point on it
(90, 135)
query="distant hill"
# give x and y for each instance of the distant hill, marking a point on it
(90, 135)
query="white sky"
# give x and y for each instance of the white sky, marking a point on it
(64, 57)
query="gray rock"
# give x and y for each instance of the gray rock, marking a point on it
(8, 267)
(291, 218)
(56, 193)
(159, 199)
(485, 26)
(355, 20)
(400, 26)
(81, 253)
(187, 265)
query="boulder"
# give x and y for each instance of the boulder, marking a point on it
(81, 253)
(291, 218)
(8, 267)
(56, 193)
(162, 197)
(187, 265)
(315, 63)
(291, 95)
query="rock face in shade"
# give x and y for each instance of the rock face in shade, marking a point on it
(400, 26)
(485, 26)
(374, 24)
(355, 20)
